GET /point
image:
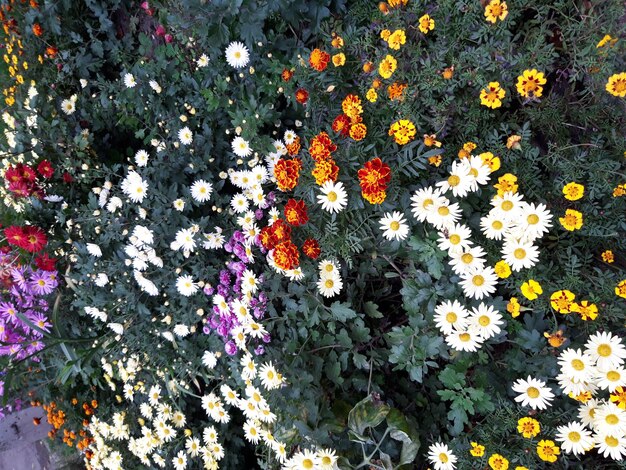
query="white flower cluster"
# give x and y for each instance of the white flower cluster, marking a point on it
(322, 459)
(466, 330)
(329, 283)
(134, 187)
(140, 255)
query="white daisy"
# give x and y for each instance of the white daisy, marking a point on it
(239, 203)
(577, 365)
(606, 349)
(202, 61)
(134, 187)
(179, 205)
(441, 457)
(477, 170)
(394, 226)
(237, 55)
(459, 181)
(486, 320)
(534, 221)
(587, 412)
(450, 316)
(333, 198)
(571, 386)
(249, 282)
(494, 226)
(94, 250)
(464, 340)
(101, 279)
(479, 282)
(423, 202)
(329, 286)
(289, 137)
(533, 393)
(241, 147)
(141, 158)
(185, 136)
(68, 106)
(129, 80)
(327, 459)
(192, 444)
(201, 190)
(252, 432)
(611, 378)
(328, 268)
(574, 438)
(184, 240)
(209, 359)
(508, 206)
(520, 255)
(455, 238)
(467, 260)
(444, 213)
(610, 419)
(270, 378)
(611, 446)
(180, 461)
(185, 285)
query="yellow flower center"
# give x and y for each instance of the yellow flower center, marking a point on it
(329, 283)
(496, 10)
(532, 392)
(532, 219)
(604, 350)
(329, 268)
(395, 225)
(332, 196)
(496, 224)
(577, 364)
(620, 85)
(326, 460)
(574, 436)
(237, 55)
(443, 458)
(465, 337)
(455, 239)
(478, 280)
(451, 317)
(443, 211)
(454, 180)
(611, 441)
(467, 258)
(427, 202)
(520, 253)
(611, 419)
(613, 376)
(507, 206)
(474, 172)
(307, 463)
(484, 320)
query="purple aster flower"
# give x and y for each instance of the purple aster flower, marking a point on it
(262, 297)
(230, 348)
(238, 236)
(42, 283)
(8, 312)
(19, 277)
(206, 330)
(259, 350)
(208, 289)
(266, 338)
(258, 214)
(222, 290)
(40, 321)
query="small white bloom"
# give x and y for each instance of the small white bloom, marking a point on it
(129, 80)
(237, 55)
(185, 136)
(201, 190)
(94, 250)
(202, 61)
(141, 158)
(179, 205)
(186, 286)
(155, 86)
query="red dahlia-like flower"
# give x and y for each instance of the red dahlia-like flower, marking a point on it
(302, 96)
(15, 236)
(374, 176)
(341, 125)
(319, 59)
(286, 255)
(45, 169)
(45, 263)
(296, 212)
(311, 248)
(35, 239)
(274, 234)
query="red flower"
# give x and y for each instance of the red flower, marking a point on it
(13, 174)
(374, 178)
(341, 125)
(275, 234)
(302, 96)
(286, 75)
(286, 255)
(20, 188)
(296, 213)
(35, 239)
(15, 235)
(68, 178)
(45, 263)
(311, 248)
(45, 169)
(319, 59)
(27, 172)
(287, 173)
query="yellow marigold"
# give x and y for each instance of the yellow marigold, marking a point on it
(371, 95)
(431, 140)
(604, 41)
(555, 340)
(616, 85)
(396, 39)
(368, 67)
(395, 91)
(498, 462)
(573, 191)
(513, 307)
(377, 83)
(467, 149)
(520, 467)
(573, 220)
(384, 34)
(351, 106)
(585, 309)
(607, 256)
(339, 59)
(496, 10)
(506, 183)
(426, 23)
(619, 397)
(620, 289)
(513, 142)
(547, 450)
(528, 427)
(358, 131)
(502, 269)
(529, 84)
(490, 160)
(619, 190)
(337, 41)
(448, 73)
(562, 300)
(397, 3)
(387, 66)
(435, 160)
(492, 95)
(531, 289)
(403, 131)
(477, 450)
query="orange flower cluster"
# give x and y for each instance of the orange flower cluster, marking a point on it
(275, 234)
(325, 167)
(287, 172)
(395, 91)
(286, 255)
(55, 416)
(296, 212)
(293, 148)
(319, 59)
(286, 75)
(374, 178)
(311, 248)
(350, 123)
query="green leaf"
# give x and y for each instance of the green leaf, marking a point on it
(366, 414)
(371, 310)
(342, 311)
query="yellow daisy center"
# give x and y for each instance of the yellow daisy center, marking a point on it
(532, 392)
(611, 441)
(520, 253)
(484, 320)
(443, 458)
(427, 202)
(443, 211)
(496, 224)
(329, 283)
(611, 419)
(455, 239)
(532, 219)
(577, 364)
(507, 206)
(478, 280)
(465, 337)
(574, 436)
(307, 463)
(332, 196)
(613, 375)
(467, 258)
(604, 350)
(395, 225)
(451, 317)
(454, 180)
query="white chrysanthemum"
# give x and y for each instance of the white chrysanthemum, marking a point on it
(450, 316)
(587, 412)
(611, 446)
(252, 432)
(606, 350)
(534, 221)
(574, 438)
(444, 213)
(241, 147)
(477, 171)
(101, 279)
(464, 340)
(611, 378)
(134, 187)
(239, 203)
(610, 419)
(394, 226)
(577, 365)
(184, 240)
(423, 202)
(455, 239)
(68, 106)
(192, 444)
(96, 314)
(508, 206)
(181, 330)
(214, 241)
(143, 236)
(179, 205)
(237, 55)
(520, 255)
(289, 137)
(209, 359)
(333, 198)
(459, 181)
(479, 282)
(129, 80)
(248, 367)
(486, 321)
(185, 136)
(141, 158)
(330, 286)
(185, 285)
(114, 204)
(201, 190)
(494, 226)
(302, 461)
(155, 86)
(94, 250)
(269, 377)
(117, 328)
(467, 260)
(441, 456)
(533, 393)
(328, 268)
(202, 61)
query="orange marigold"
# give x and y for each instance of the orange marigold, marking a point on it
(321, 146)
(287, 173)
(286, 255)
(311, 248)
(294, 147)
(325, 170)
(351, 106)
(396, 91)
(275, 234)
(319, 59)
(286, 75)
(374, 178)
(302, 96)
(37, 29)
(341, 125)
(296, 212)
(358, 131)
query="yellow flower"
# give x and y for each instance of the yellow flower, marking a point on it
(555, 339)
(573, 220)
(490, 160)
(617, 85)
(620, 289)
(467, 149)
(520, 468)
(547, 450)
(513, 307)
(371, 95)
(607, 256)
(586, 310)
(562, 300)
(513, 142)
(396, 39)
(430, 140)
(388, 66)
(492, 95)
(448, 73)
(384, 34)
(403, 131)
(604, 40)
(498, 462)
(426, 23)
(619, 397)
(339, 59)
(477, 450)
(531, 289)
(573, 191)
(529, 84)
(503, 270)
(528, 427)
(435, 160)
(506, 183)
(337, 41)
(496, 10)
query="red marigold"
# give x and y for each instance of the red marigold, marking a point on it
(275, 234)
(321, 147)
(286, 255)
(358, 131)
(302, 96)
(377, 197)
(325, 170)
(319, 59)
(286, 75)
(294, 147)
(37, 29)
(45, 169)
(51, 51)
(45, 263)
(35, 239)
(341, 125)
(287, 173)
(68, 178)
(374, 178)
(296, 212)
(311, 248)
